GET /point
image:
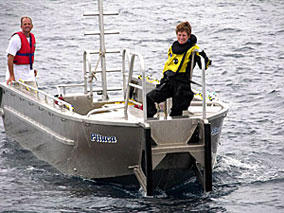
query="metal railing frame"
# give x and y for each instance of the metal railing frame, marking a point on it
(203, 81)
(129, 84)
(126, 86)
(61, 103)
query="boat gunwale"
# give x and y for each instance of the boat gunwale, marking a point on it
(65, 113)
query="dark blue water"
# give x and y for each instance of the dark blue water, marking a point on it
(245, 40)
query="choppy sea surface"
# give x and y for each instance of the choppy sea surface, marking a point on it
(245, 40)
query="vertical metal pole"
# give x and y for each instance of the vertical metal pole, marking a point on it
(203, 91)
(85, 72)
(102, 49)
(166, 104)
(123, 72)
(149, 173)
(192, 63)
(125, 53)
(208, 158)
(144, 91)
(131, 67)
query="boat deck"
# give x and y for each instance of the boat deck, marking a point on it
(136, 115)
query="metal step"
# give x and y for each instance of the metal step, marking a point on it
(94, 13)
(97, 89)
(107, 51)
(110, 70)
(108, 32)
(100, 71)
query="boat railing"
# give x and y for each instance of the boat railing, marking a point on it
(87, 66)
(126, 87)
(125, 55)
(129, 84)
(46, 97)
(203, 82)
(61, 89)
(90, 73)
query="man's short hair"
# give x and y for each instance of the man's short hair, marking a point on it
(24, 18)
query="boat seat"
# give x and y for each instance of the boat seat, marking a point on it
(82, 103)
(105, 108)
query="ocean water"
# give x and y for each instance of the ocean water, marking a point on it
(245, 40)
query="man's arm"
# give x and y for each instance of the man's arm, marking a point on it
(11, 68)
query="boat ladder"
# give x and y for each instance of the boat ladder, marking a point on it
(89, 74)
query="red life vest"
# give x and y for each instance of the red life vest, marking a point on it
(26, 54)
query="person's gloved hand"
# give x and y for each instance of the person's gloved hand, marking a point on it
(208, 62)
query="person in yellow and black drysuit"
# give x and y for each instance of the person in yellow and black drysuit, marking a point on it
(176, 74)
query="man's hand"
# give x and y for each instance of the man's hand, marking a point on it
(11, 78)
(11, 69)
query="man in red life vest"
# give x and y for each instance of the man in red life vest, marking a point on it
(20, 54)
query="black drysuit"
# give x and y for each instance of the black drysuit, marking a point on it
(174, 84)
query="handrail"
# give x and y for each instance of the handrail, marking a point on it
(64, 86)
(87, 64)
(203, 89)
(127, 83)
(203, 84)
(142, 69)
(143, 88)
(46, 96)
(124, 53)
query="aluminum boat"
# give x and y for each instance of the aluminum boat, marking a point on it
(95, 135)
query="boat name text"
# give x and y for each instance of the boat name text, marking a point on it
(215, 131)
(103, 139)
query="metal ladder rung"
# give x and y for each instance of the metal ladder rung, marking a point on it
(107, 51)
(165, 149)
(70, 85)
(94, 13)
(136, 86)
(135, 102)
(109, 89)
(113, 70)
(109, 32)
(88, 71)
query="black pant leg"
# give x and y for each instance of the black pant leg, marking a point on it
(157, 95)
(181, 98)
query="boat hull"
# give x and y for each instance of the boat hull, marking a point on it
(80, 146)
(72, 145)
